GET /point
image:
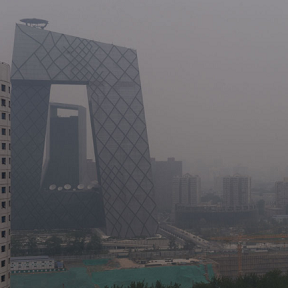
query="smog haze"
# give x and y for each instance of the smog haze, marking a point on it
(214, 74)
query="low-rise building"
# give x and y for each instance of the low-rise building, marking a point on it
(28, 263)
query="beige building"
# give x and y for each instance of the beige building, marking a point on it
(236, 191)
(186, 191)
(5, 175)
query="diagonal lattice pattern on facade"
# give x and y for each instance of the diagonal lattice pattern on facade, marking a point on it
(42, 58)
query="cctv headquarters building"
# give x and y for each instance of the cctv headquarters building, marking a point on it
(123, 204)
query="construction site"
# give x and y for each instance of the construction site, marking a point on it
(257, 263)
(173, 255)
(108, 272)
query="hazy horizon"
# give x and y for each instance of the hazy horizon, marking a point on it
(213, 74)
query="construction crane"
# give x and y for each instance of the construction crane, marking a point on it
(241, 238)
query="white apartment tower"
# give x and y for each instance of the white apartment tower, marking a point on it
(236, 191)
(186, 191)
(5, 176)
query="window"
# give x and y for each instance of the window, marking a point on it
(4, 161)
(3, 263)
(9, 218)
(3, 131)
(9, 132)
(9, 89)
(9, 146)
(3, 88)
(9, 189)
(9, 117)
(3, 175)
(9, 104)
(3, 248)
(3, 204)
(3, 219)
(9, 175)
(3, 278)
(3, 234)
(9, 160)
(3, 146)
(3, 116)
(3, 190)
(3, 102)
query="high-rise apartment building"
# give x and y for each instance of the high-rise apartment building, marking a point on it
(186, 191)
(163, 173)
(282, 196)
(236, 191)
(5, 181)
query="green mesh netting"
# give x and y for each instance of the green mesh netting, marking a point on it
(185, 275)
(210, 271)
(79, 278)
(75, 277)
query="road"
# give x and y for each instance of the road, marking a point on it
(182, 236)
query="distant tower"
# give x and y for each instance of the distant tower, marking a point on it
(65, 161)
(5, 154)
(163, 173)
(282, 195)
(236, 190)
(186, 191)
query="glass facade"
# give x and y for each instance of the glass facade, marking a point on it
(42, 58)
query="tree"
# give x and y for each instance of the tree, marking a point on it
(95, 244)
(189, 245)
(76, 242)
(172, 243)
(32, 246)
(53, 245)
(17, 245)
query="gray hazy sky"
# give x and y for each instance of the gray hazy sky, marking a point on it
(214, 73)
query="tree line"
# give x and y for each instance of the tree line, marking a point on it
(74, 243)
(273, 279)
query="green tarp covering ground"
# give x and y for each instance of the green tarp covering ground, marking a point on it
(79, 278)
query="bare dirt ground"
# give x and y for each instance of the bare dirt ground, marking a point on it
(127, 263)
(116, 263)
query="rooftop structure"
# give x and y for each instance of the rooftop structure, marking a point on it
(34, 22)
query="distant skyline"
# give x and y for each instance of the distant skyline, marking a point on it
(214, 74)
